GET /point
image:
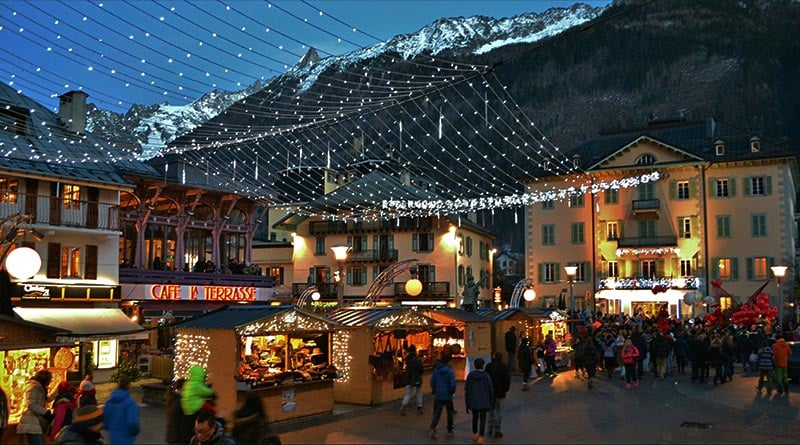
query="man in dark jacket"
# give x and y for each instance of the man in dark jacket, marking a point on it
(478, 398)
(501, 379)
(443, 383)
(659, 351)
(641, 344)
(511, 346)
(207, 431)
(413, 380)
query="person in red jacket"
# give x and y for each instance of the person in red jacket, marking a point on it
(781, 374)
(64, 406)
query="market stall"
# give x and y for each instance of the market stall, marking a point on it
(374, 343)
(556, 322)
(467, 335)
(525, 321)
(282, 353)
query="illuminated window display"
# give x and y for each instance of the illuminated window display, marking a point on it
(279, 359)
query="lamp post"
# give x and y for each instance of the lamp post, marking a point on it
(779, 272)
(340, 252)
(571, 271)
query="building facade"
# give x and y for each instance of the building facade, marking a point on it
(706, 232)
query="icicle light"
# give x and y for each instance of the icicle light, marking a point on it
(190, 350)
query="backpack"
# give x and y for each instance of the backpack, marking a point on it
(766, 359)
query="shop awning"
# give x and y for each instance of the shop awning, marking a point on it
(85, 324)
(260, 320)
(382, 318)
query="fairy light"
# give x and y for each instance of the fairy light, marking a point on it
(287, 321)
(342, 356)
(190, 350)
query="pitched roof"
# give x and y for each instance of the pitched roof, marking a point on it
(47, 148)
(258, 320)
(381, 317)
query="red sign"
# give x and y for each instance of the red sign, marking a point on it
(210, 293)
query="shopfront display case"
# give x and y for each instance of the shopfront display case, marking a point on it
(465, 335)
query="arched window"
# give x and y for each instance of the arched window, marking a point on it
(646, 159)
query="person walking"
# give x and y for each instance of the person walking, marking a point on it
(525, 361)
(782, 351)
(630, 354)
(33, 421)
(414, 372)
(501, 379)
(87, 391)
(766, 363)
(208, 431)
(443, 383)
(195, 394)
(64, 406)
(660, 350)
(250, 424)
(577, 356)
(681, 352)
(121, 414)
(479, 398)
(716, 360)
(511, 346)
(591, 356)
(609, 361)
(85, 429)
(550, 346)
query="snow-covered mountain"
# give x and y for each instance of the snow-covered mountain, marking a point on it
(149, 128)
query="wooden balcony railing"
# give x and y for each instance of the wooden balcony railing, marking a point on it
(56, 211)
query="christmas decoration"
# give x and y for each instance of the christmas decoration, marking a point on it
(757, 310)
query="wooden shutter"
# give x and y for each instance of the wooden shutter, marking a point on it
(673, 189)
(715, 267)
(53, 260)
(55, 207)
(768, 185)
(732, 187)
(748, 184)
(414, 244)
(734, 268)
(92, 211)
(431, 245)
(541, 272)
(712, 187)
(31, 197)
(693, 193)
(91, 263)
(750, 266)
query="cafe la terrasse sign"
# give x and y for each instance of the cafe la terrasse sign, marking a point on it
(172, 292)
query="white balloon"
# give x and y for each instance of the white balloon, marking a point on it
(688, 298)
(709, 299)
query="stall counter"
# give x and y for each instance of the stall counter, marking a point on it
(293, 401)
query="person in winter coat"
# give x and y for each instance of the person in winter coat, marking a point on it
(550, 346)
(577, 352)
(414, 372)
(195, 392)
(681, 352)
(511, 346)
(630, 354)
(659, 350)
(443, 383)
(85, 428)
(609, 360)
(208, 431)
(180, 426)
(121, 414)
(766, 363)
(525, 359)
(698, 354)
(782, 352)
(34, 411)
(63, 407)
(716, 360)
(250, 422)
(591, 356)
(87, 392)
(479, 398)
(501, 379)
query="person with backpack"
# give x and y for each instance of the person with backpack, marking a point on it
(766, 363)
(443, 383)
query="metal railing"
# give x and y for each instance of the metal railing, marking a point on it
(430, 289)
(150, 276)
(373, 255)
(648, 241)
(646, 204)
(56, 211)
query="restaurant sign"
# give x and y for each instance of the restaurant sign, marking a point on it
(173, 292)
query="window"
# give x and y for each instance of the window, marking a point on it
(8, 190)
(377, 270)
(359, 243)
(276, 272)
(723, 190)
(758, 268)
(578, 233)
(612, 231)
(758, 186)
(646, 159)
(648, 268)
(613, 269)
(70, 262)
(71, 195)
(720, 148)
(426, 273)
(548, 205)
(548, 235)
(461, 275)
(755, 145)
(686, 268)
(683, 189)
(422, 242)
(612, 196)
(469, 246)
(723, 226)
(576, 201)
(481, 246)
(758, 225)
(725, 268)
(580, 272)
(647, 190)
(319, 246)
(549, 272)
(685, 227)
(357, 276)
(647, 228)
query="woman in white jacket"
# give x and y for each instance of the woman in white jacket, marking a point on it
(33, 423)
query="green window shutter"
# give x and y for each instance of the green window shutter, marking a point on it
(391, 242)
(431, 273)
(768, 184)
(747, 186)
(681, 231)
(588, 276)
(348, 275)
(364, 241)
(541, 272)
(558, 272)
(693, 188)
(734, 268)
(350, 241)
(750, 268)
(715, 268)
(414, 244)
(673, 189)
(375, 272)
(660, 268)
(771, 261)
(430, 242)
(732, 187)
(375, 244)
(695, 225)
(712, 187)
(363, 275)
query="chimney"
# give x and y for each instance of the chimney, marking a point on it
(72, 111)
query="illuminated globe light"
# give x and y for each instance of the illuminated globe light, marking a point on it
(529, 295)
(23, 262)
(315, 296)
(413, 287)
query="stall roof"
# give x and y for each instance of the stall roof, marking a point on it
(381, 317)
(462, 315)
(533, 313)
(258, 320)
(85, 324)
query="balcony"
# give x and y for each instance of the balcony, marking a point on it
(321, 228)
(430, 290)
(646, 208)
(149, 276)
(373, 255)
(648, 241)
(45, 209)
(327, 291)
(654, 283)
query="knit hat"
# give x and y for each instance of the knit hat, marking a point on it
(86, 386)
(89, 415)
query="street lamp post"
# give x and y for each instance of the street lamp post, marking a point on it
(340, 252)
(571, 272)
(779, 272)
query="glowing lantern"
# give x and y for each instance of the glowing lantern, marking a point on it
(23, 263)
(413, 287)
